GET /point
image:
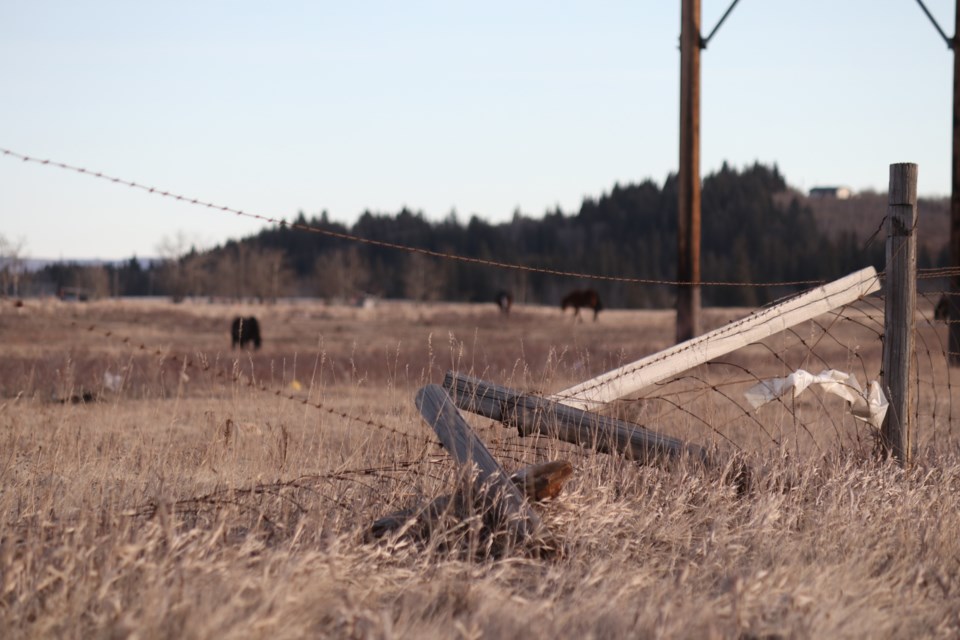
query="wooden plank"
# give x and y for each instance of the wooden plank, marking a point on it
(533, 414)
(900, 305)
(634, 377)
(498, 498)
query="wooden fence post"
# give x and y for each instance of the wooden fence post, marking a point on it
(532, 414)
(501, 503)
(901, 303)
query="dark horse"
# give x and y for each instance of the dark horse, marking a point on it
(582, 298)
(942, 310)
(504, 300)
(244, 330)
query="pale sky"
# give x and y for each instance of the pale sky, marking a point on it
(484, 108)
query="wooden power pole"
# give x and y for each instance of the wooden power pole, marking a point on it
(954, 313)
(688, 214)
(954, 293)
(688, 220)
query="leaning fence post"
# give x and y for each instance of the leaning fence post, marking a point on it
(901, 301)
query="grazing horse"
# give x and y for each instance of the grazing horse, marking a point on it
(582, 298)
(504, 300)
(244, 330)
(942, 310)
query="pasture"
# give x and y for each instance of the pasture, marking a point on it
(155, 483)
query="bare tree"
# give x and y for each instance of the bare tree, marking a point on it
(421, 280)
(242, 270)
(342, 273)
(195, 270)
(269, 276)
(93, 281)
(11, 265)
(183, 267)
(227, 280)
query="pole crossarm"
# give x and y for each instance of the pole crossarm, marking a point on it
(947, 39)
(705, 41)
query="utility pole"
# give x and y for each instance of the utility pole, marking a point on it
(688, 222)
(688, 212)
(954, 313)
(953, 316)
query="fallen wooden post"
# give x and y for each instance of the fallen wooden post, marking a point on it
(533, 414)
(631, 378)
(496, 497)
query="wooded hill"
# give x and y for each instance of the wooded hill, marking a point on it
(755, 229)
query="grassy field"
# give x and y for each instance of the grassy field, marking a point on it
(201, 493)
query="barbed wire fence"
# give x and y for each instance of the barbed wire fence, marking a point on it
(707, 403)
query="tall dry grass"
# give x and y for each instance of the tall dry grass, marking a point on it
(192, 504)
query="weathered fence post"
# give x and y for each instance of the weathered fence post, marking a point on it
(501, 502)
(901, 302)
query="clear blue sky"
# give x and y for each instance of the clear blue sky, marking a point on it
(480, 107)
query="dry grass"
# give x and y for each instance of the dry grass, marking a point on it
(191, 504)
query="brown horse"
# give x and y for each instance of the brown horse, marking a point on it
(582, 298)
(504, 300)
(942, 310)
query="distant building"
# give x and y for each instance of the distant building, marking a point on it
(840, 193)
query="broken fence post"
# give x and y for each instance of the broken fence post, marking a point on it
(532, 414)
(500, 500)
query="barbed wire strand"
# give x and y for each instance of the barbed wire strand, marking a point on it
(392, 245)
(950, 372)
(937, 272)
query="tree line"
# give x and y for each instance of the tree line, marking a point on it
(755, 229)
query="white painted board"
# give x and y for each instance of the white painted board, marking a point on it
(636, 376)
